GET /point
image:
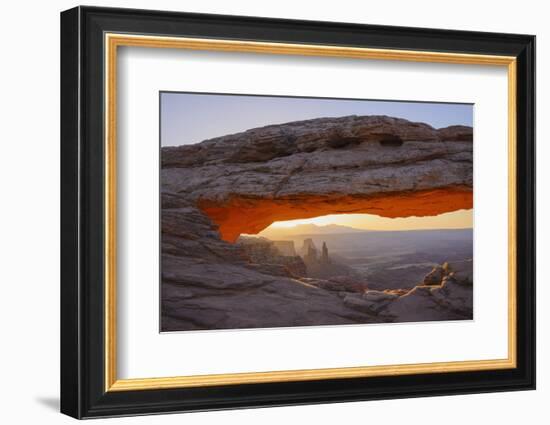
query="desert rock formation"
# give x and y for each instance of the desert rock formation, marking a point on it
(373, 164)
(214, 191)
(450, 297)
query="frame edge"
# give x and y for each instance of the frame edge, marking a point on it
(70, 380)
(81, 398)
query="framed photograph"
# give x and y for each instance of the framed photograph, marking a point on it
(261, 212)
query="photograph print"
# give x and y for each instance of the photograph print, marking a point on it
(291, 211)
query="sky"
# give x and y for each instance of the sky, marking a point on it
(462, 219)
(188, 118)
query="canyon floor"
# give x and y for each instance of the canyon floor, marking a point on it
(358, 278)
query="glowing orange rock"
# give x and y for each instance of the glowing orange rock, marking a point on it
(251, 215)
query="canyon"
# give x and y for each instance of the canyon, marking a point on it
(217, 190)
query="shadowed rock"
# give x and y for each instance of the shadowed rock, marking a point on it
(215, 190)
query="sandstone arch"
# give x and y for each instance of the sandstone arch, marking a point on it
(374, 164)
(214, 190)
(251, 215)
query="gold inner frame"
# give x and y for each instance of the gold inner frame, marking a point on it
(113, 41)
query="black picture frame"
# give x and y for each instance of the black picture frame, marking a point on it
(83, 392)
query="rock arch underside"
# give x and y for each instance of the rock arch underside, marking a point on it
(216, 190)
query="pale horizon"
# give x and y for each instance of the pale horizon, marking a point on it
(461, 219)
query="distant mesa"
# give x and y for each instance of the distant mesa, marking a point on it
(280, 257)
(324, 254)
(277, 257)
(321, 265)
(285, 248)
(310, 253)
(277, 232)
(308, 248)
(311, 256)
